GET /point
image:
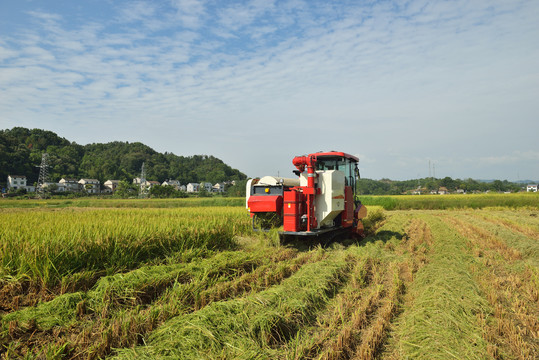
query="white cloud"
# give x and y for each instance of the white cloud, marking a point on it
(137, 11)
(234, 17)
(190, 12)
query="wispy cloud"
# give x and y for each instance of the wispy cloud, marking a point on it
(190, 13)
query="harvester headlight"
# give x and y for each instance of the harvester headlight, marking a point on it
(266, 190)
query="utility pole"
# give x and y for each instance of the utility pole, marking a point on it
(43, 175)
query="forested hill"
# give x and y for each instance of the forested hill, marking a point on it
(21, 150)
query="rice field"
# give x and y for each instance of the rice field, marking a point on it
(194, 282)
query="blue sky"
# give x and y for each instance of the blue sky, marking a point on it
(255, 83)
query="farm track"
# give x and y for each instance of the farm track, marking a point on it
(424, 284)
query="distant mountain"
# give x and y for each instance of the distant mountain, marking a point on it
(21, 150)
(526, 182)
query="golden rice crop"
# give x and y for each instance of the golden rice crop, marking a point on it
(46, 245)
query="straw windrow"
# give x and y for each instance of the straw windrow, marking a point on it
(245, 328)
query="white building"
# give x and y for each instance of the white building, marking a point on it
(91, 186)
(174, 183)
(111, 185)
(192, 187)
(55, 187)
(70, 184)
(16, 182)
(183, 188)
(207, 186)
(532, 188)
(219, 187)
(443, 191)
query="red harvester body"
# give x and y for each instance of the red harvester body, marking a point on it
(320, 200)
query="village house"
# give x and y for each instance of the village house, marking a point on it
(146, 183)
(183, 188)
(174, 183)
(192, 187)
(207, 186)
(443, 190)
(91, 186)
(111, 185)
(70, 184)
(55, 187)
(531, 188)
(16, 182)
(218, 188)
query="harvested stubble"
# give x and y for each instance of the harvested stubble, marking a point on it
(372, 338)
(338, 329)
(355, 309)
(513, 331)
(331, 334)
(527, 218)
(520, 236)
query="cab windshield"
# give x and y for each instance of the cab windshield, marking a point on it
(347, 166)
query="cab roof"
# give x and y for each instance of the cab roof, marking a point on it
(336, 154)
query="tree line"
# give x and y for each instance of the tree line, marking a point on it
(395, 187)
(21, 150)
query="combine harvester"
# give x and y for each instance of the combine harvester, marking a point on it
(320, 201)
